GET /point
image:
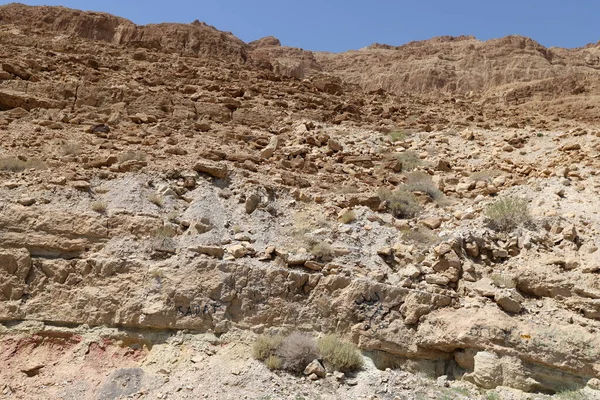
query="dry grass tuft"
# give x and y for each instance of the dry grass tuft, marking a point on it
(339, 355)
(507, 213)
(266, 346)
(348, 217)
(14, 164)
(99, 206)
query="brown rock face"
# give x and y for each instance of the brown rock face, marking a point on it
(193, 39)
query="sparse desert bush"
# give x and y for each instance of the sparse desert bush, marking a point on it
(266, 346)
(273, 363)
(297, 351)
(398, 136)
(421, 236)
(420, 181)
(14, 164)
(173, 216)
(99, 206)
(402, 203)
(410, 160)
(69, 149)
(348, 217)
(131, 155)
(507, 213)
(322, 250)
(339, 355)
(492, 396)
(156, 199)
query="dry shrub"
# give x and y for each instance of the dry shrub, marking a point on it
(348, 217)
(297, 351)
(266, 346)
(322, 250)
(70, 149)
(14, 164)
(99, 206)
(507, 213)
(273, 363)
(402, 203)
(421, 236)
(420, 181)
(397, 136)
(410, 160)
(339, 355)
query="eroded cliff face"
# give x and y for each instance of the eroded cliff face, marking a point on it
(168, 191)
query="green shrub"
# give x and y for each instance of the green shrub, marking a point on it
(297, 351)
(265, 346)
(339, 355)
(410, 160)
(507, 213)
(402, 203)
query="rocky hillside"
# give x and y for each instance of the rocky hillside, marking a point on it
(168, 193)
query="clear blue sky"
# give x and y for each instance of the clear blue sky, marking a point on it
(339, 25)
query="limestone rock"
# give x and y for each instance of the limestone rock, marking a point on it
(216, 170)
(315, 367)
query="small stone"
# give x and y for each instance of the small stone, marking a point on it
(81, 185)
(594, 384)
(570, 233)
(436, 279)
(213, 251)
(32, 370)
(214, 169)
(334, 145)
(431, 223)
(442, 249)
(252, 203)
(339, 376)
(571, 147)
(509, 301)
(443, 165)
(26, 201)
(237, 251)
(314, 266)
(571, 263)
(385, 251)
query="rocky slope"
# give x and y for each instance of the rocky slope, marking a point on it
(168, 192)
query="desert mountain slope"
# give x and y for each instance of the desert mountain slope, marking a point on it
(168, 193)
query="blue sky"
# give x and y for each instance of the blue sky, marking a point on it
(336, 25)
